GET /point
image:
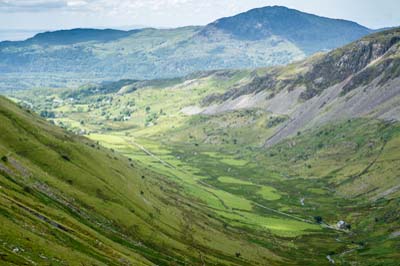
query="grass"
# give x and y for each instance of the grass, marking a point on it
(269, 193)
(99, 207)
(231, 180)
(211, 170)
(280, 227)
(234, 162)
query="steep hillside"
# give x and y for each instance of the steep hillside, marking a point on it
(262, 37)
(65, 200)
(358, 80)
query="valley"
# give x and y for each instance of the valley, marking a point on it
(286, 197)
(271, 137)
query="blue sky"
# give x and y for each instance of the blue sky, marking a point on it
(64, 14)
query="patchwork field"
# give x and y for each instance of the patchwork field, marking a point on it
(287, 198)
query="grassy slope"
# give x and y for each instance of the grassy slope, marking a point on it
(64, 199)
(339, 170)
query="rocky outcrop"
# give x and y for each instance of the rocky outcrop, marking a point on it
(360, 79)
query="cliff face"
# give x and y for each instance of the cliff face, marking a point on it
(342, 63)
(360, 79)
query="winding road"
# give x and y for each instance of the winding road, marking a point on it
(149, 153)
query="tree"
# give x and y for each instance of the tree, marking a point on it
(4, 159)
(318, 219)
(47, 114)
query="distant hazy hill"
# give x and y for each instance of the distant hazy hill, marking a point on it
(260, 37)
(308, 32)
(65, 37)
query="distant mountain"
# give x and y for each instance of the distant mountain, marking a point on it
(309, 32)
(67, 37)
(260, 37)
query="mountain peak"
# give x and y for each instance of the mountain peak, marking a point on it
(304, 29)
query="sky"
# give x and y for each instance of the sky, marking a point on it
(24, 17)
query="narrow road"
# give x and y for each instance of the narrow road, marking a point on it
(210, 186)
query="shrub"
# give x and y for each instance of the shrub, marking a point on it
(318, 219)
(275, 121)
(4, 159)
(27, 189)
(65, 157)
(47, 114)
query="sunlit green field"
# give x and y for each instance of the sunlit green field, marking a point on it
(280, 194)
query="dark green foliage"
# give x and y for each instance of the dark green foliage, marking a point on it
(276, 121)
(27, 189)
(66, 157)
(47, 114)
(318, 219)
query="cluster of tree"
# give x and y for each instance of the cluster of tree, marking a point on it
(47, 114)
(274, 121)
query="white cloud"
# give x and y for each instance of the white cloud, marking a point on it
(30, 5)
(76, 3)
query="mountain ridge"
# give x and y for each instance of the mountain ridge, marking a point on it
(355, 80)
(70, 58)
